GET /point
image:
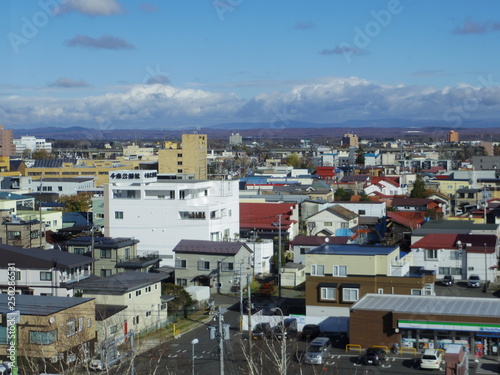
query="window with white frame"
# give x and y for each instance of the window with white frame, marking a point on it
(180, 263)
(328, 293)
(317, 270)
(340, 271)
(416, 292)
(350, 294)
(203, 265)
(431, 254)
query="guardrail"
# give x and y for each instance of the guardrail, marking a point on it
(352, 346)
(382, 347)
(407, 350)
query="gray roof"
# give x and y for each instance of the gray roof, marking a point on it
(209, 247)
(53, 163)
(40, 305)
(452, 226)
(103, 242)
(36, 258)
(120, 283)
(431, 305)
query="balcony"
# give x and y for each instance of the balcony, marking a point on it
(65, 278)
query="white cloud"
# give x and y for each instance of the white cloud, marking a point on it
(92, 7)
(331, 100)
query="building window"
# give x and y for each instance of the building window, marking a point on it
(34, 234)
(147, 289)
(138, 293)
(203, 265)
(118, 214)
(135, 320)
(89, 322)
(227, 266)
(148, 313)
(43, 338)
(192, 215)
(317, 270)
(181, 282)
(350, 294)
(303, 250)
(72, 327)
(179, 155)
(340, 271)
(180, 263)
(113, 329)
(328, 294)
(431, 254)
(105, 254)
(80, 250)
(130, 296)
(362, 212)
(18, 275)
(380, 290)
(416, 292)
(344, 225)
(179, 170)
(179, 163)
(13, 235)
(328, 223)
(172, 194)
(46, 276)
(105, 272)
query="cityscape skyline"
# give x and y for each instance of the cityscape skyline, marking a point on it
(119, 64)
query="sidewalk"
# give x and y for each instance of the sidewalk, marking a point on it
(487, 365)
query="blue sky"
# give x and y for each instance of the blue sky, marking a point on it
(184, 63)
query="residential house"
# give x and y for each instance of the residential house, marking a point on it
(57, 330)
(339, 275)
(459, 255)
(332, 221)
(417, 204)
(301, 244)
(161, 212)
(454, 226)
(43, 272)
(293, 274)
(220, 265)
(263, 251)
(388, 186)
(265, 219)
(113, 255)
(126, 301)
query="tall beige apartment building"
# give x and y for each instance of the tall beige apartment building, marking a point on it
(7, 147)
(189, 158)
(350, 140)
(453, 136)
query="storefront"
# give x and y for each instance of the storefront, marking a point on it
(426, 322)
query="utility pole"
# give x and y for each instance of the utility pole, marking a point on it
(250, 338)
(279, 255)
(221, 345)
(241, 296)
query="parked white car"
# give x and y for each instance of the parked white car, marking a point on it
(431, 359)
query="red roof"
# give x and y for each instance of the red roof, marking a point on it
(472, 243)
(393, 180)
(265, 215)
(410, 219)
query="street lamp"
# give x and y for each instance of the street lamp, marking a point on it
(193, 343)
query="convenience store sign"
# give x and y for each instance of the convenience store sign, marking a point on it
(449, 326)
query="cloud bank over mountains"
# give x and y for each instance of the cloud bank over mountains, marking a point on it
(325, 100)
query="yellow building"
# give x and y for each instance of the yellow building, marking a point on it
(52, 328)
(99, 169)
(188, 159)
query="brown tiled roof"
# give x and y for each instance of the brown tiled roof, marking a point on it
(341, 211)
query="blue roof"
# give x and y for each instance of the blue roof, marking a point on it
(337, 249)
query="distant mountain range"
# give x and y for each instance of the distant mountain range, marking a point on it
(279, 129)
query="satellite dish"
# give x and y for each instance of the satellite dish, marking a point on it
(327, 239)
(52, 320)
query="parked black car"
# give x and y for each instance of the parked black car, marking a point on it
(310, 331)
(448, 280)
(290, 328)
(374, 356)
(262, 331)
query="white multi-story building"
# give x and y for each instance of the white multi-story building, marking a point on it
(31, 143)
(160, 213)
(62, 186)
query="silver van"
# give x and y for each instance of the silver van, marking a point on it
(319, 350)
